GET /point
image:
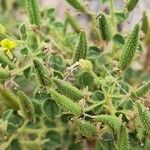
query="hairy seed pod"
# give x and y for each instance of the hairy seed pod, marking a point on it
(65, 103)
(141, 91)
(144, 116)
(123, 138)
(129, 48)
(131, 4)
(4, 75)
(65, 88)
(86, 128)
(26, 106)
(112, 121)
(9, 98)
(42, 73)
(104, 27)
(81, 50)
(77, 5)
(5, 61)
(139, 129)
(33, 10)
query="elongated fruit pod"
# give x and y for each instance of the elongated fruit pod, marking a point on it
(9, 98)
(104, 27)
(65, 88)
(86, 128)
(129, 48)
(141, 91)
(131, 4)
(5, 61)
(26, 106)
(65, 103)
(123, 138)
(33, 10)
(41, 73)
(77, 5)
(81, 50)
(112, 121)
(144, 116)
(4, 75)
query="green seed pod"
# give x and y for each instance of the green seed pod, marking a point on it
(65, 103)
(86, 128)
(5, 61)
(129, 48)
(104, 27)
(131, 4)
(144, 116)
(9, 98)
(26, 106)
(123, 142)
(73, 22)
(81, 50)
(140, 129)
(68, 90)
(77, 5)
(42, 73)
(33, 10)
(4, 74)
(141, 91)
(112, 121)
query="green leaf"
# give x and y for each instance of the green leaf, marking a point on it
(118, 39)
(98, 95)
(104, 1)
(24, 51)
(94, 52)
(57, 62)
(85, 79)
(54, 139)
(121, 16)
(15, 145)
(50, 108)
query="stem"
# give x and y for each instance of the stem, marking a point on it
(7, 143)
(16, 71)
(93, 106)
(110, 105)
(112, 15)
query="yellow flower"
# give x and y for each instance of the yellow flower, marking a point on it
(8, 45)
(2, 29)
